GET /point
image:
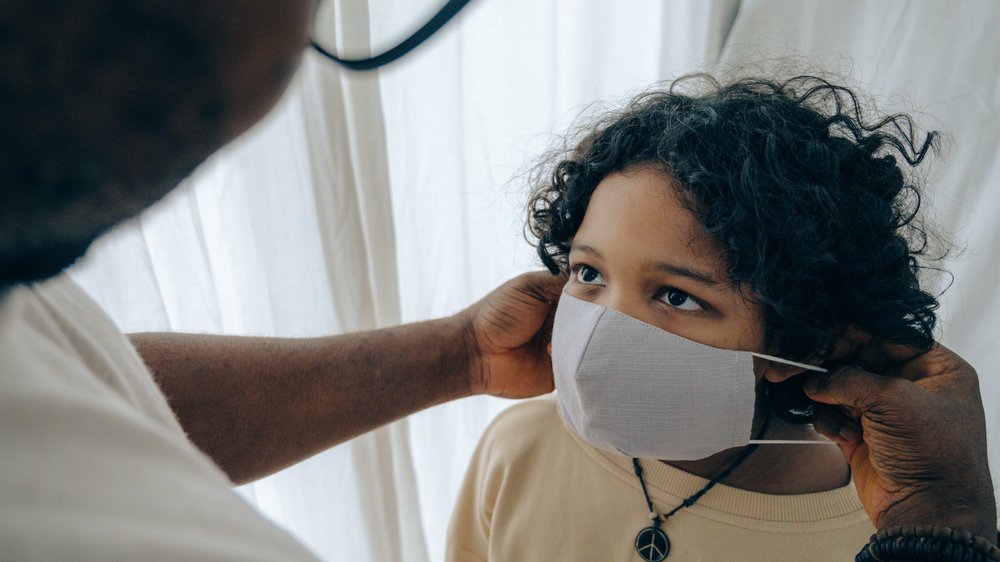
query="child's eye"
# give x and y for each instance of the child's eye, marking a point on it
(588, 275)
(679, 300)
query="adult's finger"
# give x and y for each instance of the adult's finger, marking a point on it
(851, 386)
(835, 424)
(541, 285)
(937, 363)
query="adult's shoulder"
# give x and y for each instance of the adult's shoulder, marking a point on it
(95, 465)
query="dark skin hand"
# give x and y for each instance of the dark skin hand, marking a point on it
(257, 405)
(915, 437)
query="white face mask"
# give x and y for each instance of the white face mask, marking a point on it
(631, 388)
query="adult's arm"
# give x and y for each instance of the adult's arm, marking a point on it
(256, 405)
(915, 438)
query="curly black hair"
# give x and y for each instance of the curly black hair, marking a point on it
(805, 195)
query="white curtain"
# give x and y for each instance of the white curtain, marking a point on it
(366, 200)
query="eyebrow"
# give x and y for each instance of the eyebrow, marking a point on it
(586, 249)
(698, 276)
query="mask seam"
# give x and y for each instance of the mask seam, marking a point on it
(586, 346)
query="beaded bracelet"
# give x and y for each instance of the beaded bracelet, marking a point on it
(929, 543)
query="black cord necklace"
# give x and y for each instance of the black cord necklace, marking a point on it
(652, 543)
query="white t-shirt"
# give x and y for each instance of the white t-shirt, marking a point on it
(93, 464)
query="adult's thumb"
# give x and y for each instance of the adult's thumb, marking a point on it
(851, 386)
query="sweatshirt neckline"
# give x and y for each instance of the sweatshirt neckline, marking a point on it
(669, 486)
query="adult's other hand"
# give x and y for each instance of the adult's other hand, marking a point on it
(508, 332)
(915, 437)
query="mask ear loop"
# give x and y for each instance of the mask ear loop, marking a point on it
(806, 366)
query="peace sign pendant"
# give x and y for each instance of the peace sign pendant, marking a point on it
(652, 544)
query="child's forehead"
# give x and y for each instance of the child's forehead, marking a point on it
(638, 215)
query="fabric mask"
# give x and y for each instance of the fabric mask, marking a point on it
(631, 388)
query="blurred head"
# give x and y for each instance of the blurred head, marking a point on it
(107, 105)
(756, 215)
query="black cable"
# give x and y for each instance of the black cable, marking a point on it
(442, 17)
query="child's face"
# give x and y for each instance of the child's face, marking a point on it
(640, 252)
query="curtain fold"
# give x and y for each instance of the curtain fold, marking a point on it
(288, 231)
(364, 200)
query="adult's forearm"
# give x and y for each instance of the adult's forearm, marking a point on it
(257, 405)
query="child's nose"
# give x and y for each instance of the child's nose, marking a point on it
(627, 303)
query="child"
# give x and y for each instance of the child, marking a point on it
(720, 240)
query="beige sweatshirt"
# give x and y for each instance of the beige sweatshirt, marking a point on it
(536, 492)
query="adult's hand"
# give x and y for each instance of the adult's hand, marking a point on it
(508, 333)
(225, 390)
(915, 438)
